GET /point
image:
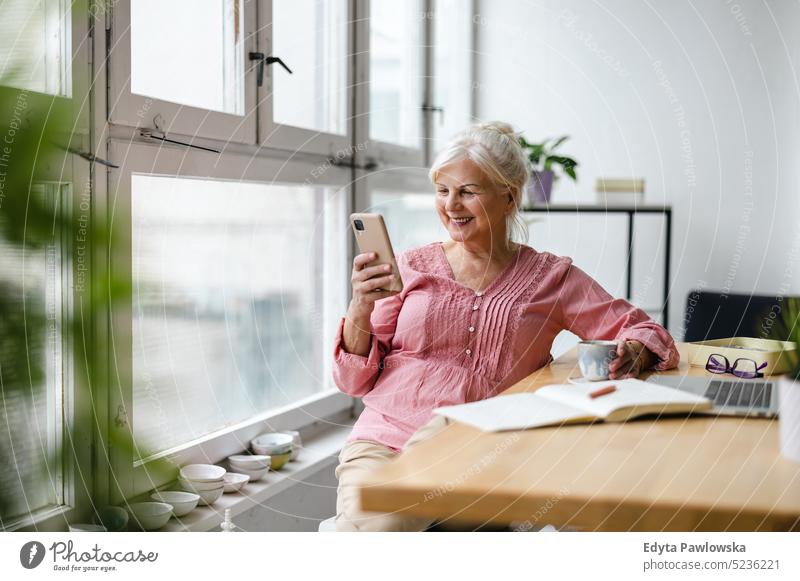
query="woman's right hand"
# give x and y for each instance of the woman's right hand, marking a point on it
(366, 281)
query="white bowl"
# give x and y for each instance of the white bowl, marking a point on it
(297, 443)
(274, 443)
(234, 481)
(249, 462)
(208, 497)
(150, 515)
(182, 502)
(202, 472)
(198, 487)
(86, 528)
(254, 475)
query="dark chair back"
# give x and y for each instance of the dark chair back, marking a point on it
(715, 315)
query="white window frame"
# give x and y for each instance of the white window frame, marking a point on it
(132, 478)
(280, 136)
(129, 109)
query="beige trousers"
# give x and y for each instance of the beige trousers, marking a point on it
(356, 460)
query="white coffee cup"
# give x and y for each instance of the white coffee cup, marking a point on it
(594, 357)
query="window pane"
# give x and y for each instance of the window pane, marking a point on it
(30, 398)
(452, 86)
(35, 45)
(410, 218)
(189, 52)
(311, 38)
(395, 57)
(230, 316)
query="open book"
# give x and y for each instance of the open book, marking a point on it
(571, 404)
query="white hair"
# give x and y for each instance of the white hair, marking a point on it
(494, 147)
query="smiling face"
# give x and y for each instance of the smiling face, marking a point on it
(471, 206)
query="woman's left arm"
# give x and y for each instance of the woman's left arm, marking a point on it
(591, 313)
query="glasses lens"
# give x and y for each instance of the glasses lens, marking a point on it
(717, 364)
(745, 368)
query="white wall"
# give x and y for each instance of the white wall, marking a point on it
(688, 95)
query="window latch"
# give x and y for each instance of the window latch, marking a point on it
(268, 60)
(432, 109)
(337, 161)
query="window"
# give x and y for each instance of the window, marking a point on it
(452, 67)
(32, 283)
(229, 318)
(187, 76)
(239, 271)
(239, 259)
(35, 46)
(196, 61)
(46, 447)
(310, 109)
(315, 96)
(395, 52)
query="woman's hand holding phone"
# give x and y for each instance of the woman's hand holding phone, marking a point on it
(368, 284)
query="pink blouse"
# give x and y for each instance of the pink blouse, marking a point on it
(440, 343)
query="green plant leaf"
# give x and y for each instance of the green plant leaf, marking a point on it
(558, 142)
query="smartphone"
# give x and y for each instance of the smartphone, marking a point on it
(372, 236)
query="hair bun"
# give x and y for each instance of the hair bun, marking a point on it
(501, 127)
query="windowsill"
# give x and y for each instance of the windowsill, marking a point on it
(317, 453)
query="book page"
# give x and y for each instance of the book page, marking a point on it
(514, 412)
(630, 393)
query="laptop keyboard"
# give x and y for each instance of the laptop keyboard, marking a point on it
(749, 394)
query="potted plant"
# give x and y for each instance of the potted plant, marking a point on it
(543, 160)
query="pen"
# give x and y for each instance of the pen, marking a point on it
(603, 391)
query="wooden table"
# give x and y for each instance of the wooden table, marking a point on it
(678, 474)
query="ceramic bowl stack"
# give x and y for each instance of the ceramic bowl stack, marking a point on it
(204, 480)
(254, 466)
(277, 446)
(297, 444)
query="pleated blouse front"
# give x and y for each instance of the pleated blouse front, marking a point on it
(440, 343)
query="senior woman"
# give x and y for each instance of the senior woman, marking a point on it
(477, 313)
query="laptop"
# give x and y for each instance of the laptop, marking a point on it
(730, 395)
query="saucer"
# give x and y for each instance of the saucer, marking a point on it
(581, 380)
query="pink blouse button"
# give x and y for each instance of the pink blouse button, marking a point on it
(471, 329)
(469, 352)
(474, 307)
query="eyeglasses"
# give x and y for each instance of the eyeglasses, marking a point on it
(744, 368)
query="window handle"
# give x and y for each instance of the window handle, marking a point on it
(88, 156)
(433, 109)
(268, 60)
